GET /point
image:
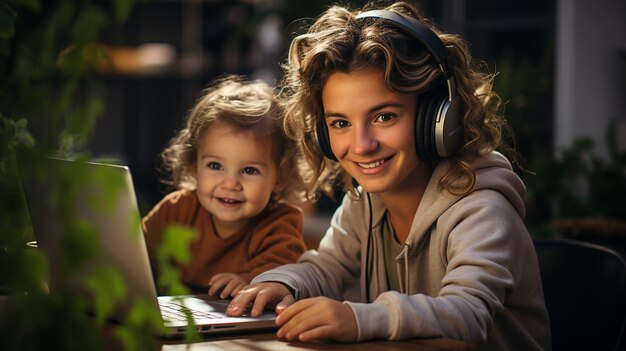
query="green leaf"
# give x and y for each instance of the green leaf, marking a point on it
(176, 243)
(33, 5)
(4, 46)
(112, 182)
(24, 137)
(78, 244)
(141, 324)
(47, 52)
(122, 9)
(88, 23)
(7, 20)
(173, 252)
(107, 287)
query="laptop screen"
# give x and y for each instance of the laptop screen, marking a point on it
(94, 205)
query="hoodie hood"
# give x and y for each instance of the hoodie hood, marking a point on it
(493, 172)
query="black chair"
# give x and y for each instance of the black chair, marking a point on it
(585, 291)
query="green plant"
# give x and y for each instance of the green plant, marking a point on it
(572, 191)
(50, 99)
(578, 184)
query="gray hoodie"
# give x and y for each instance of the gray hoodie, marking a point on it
(468, 269)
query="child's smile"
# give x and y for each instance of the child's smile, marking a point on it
(229, 202)
(235, 174)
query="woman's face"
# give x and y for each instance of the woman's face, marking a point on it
(371, 131)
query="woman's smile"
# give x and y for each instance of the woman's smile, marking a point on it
(373, 166)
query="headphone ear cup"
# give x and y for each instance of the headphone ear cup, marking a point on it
(425, 129)
(422, 107)
(448, 129)
(436, 104)
(323, 141)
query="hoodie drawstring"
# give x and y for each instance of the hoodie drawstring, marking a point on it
(407, 247)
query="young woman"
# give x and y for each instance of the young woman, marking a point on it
(433, 234)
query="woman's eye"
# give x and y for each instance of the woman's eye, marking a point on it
(214, 166)
(339, 123)
(250, 170)
(384, 117)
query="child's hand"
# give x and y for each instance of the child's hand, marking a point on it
(229, 283)
(318, 318)
(262, 295)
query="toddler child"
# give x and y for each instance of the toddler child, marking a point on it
(233, 167)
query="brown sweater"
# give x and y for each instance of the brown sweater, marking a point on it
(272, 239)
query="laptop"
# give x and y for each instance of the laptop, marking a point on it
(105, 199)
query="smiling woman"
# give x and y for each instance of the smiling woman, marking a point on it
(431, 229)
(370, 128)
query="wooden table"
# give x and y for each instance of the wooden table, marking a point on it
(266, 341)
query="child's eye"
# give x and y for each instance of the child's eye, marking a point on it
(214, 166)
(385, 117)
(250, 170)
(339, 124)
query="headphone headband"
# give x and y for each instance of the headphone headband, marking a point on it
(429, 39)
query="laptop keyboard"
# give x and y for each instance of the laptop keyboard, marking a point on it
(175, 312)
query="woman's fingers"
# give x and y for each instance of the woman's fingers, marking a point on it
(269, 296)
(239, 303)
(298, 318)
(318, 319)
(261, 295)
(324, 332)
(294, 310)
(237, 289)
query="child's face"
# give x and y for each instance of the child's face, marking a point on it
(235, 174)
(371, 131)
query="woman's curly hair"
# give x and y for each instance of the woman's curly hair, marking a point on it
(337, 41)
(247, 106)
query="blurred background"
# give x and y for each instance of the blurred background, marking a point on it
(114, 79)
(561, 69)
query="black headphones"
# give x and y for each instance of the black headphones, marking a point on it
(439, 117)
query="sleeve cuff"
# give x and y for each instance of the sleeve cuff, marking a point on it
(372, 320)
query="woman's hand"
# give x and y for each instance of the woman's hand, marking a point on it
(264, 295)
(229, 283)
(318, 318)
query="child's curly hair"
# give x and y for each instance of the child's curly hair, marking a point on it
(246, 106)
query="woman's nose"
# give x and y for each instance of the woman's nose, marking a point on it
(364, 141)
